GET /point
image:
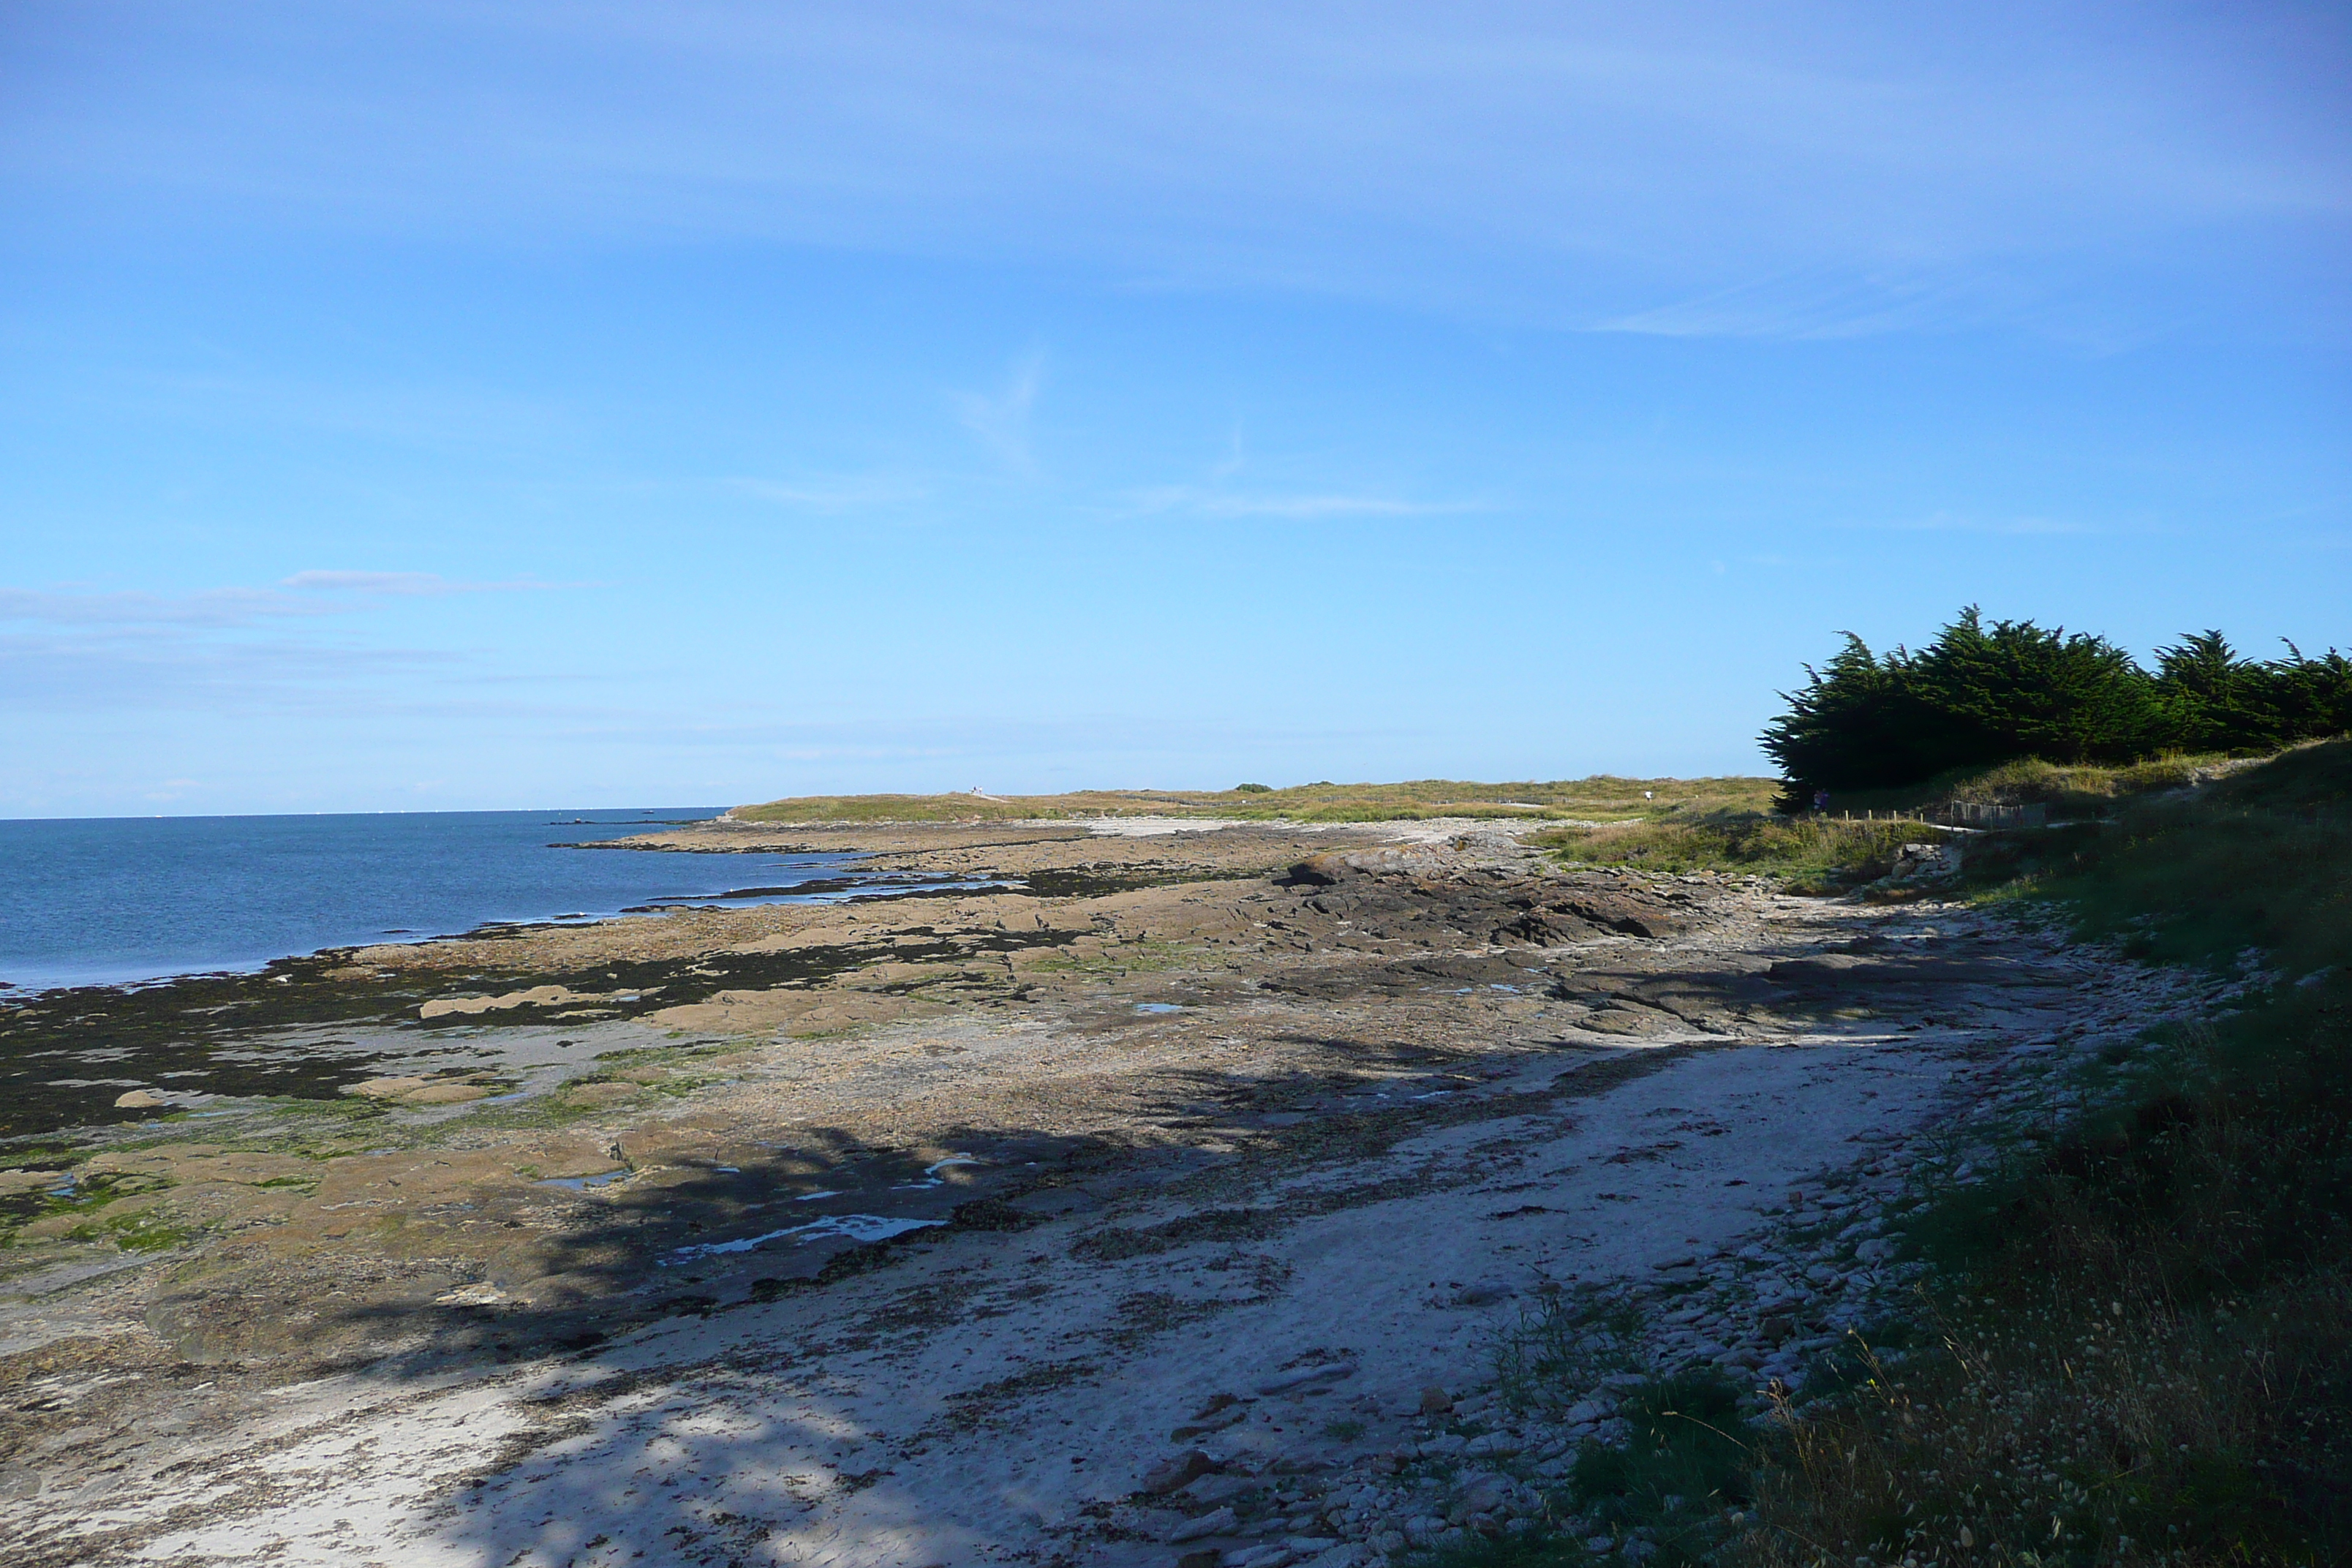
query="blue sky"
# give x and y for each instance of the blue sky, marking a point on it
(428, 406)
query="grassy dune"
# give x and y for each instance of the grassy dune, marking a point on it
(1600, 798)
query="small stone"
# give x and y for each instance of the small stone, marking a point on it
(1169, 1474)
(1207, 1491)
(1306, 1377)
(1273, 1555)
(1485, 1494)
(445, 1094)
(1201, 1425)
(385, 1088)
(1216, 1523)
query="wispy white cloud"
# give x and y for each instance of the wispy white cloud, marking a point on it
(2010, 527)
(1307, 507)
(832, 495)
(1814, 304)
(302, 644)
(407, 584)
(1001, 419)
(207, 608)
(1236, 460)
(122, 669)
(305, 593)
(1577, 158)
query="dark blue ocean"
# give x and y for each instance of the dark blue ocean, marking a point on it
(106, 899)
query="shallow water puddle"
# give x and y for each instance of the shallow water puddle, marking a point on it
(860, 1228)
(932, 1177)
(581, 1183)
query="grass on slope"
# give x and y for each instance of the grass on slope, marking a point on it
(2084, 790)
(1815, 854)
(1858, 842)
(2136, 1345)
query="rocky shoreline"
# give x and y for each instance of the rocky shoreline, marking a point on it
(1182, 1217)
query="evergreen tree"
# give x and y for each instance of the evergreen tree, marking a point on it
(1984, 694)
(2019, 691)
(2214, 701)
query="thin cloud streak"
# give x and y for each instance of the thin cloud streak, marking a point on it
(2007, 527)
(305, 593)
(1311, 508)
(1812, 306)
(217, 608)
(1584, 164)
(410, 585)
(831, 496)
(1002, 420)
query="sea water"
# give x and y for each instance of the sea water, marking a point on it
(111, 900)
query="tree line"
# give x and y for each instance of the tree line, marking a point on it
(1983, 694)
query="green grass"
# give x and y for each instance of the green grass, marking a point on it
(891, 808)
(2261, 858)
(1600, 798)
(1686, 1461)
